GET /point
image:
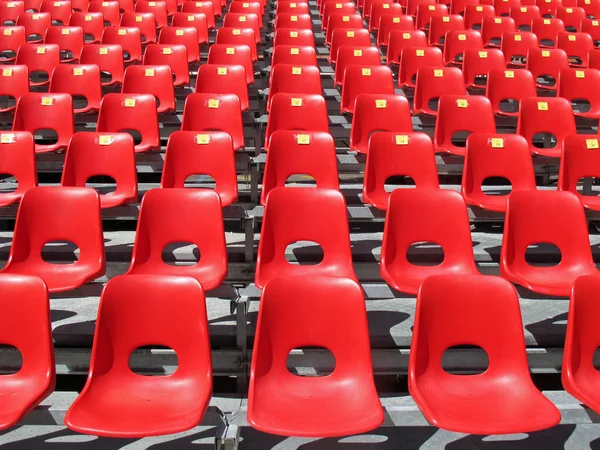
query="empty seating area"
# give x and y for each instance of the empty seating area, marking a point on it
(261, 220)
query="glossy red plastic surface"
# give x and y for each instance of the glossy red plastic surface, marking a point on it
(474, 15)
(53, 213)
(303, 112)
(546, 64)
(69, 40)
(495, 155)
(304, 214)
(360, 80)
(209, 153)
(25, 324)
(291, 153)
(193, 20)
(236, 20)
(546, 115)
(581, 84)
(60, 10)
(546, 30)
(343, 21)
(412, 6)
(457, 42)
(432, 83)
(238, 36)
(359, 56)
(358, 37)
(375, 113)
(439, 25)
(294, 37)
(92, 24)
(108, 154)
(390, 22)
(297, 56)
(39, 58)
(378, 10)
(35, 24)
(551, 217)
(121, 112)
(158, 8)
(394, 154)
(11, 38)
(509, 84)
(293, 20)
(186, 36)
(292, 79)
(516, 45)
(287, 7)
(216, 79)
(483, 311)
(458, 6)
(399, 40)
(478, 62)
(343, 403)
(571, 17)
(203, 7)
(232, 55)
(136, 311)
(17, 158)
(576, 46)
(110, 11)
(174, 56)
(338, 7)
(252, 8)
(10, 10)
(130, 39)
(409, 221)
(210, 112)
(523, 15)
(81, 80)
(579, 160)
(411, 59)
(492, 29)
(155, 80)
(425, 11)
(14, 82)
(142, 20)
(108, 58)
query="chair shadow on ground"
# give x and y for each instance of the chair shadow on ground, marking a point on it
(546, 331)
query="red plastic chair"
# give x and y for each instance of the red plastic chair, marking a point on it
(412, 6)
(78, 80)
(365, 80)
(391, 22)
(343, 403)
(110, 11)
(548, 7)
(293, 20)
(238, 36)
(116, 401)
(550, 217)
(293, 37)
(403, 230)
(48, 214)
(60, 11)
(578, 160)
(307, 112)
(188, 37)
(516, 46)
(33, 5)
(576, 46)
(10, 10)
(474, 15)
(124, 6)
(547, 31)
(571, 17)
(158, 8)
(579, 376)
(14, 83)
(492, 29)
(174, 56)
(414, 58)
(378, 10)
(193, 20)
(592, 27)
(495, 155)
(122, 112)
(367, 9)
(439, 25)
(344, 21)
(459, 113)
(36, 25)
(142, 20)
(26, 325)
(130, 40)
(354, 56)
(155, 80)
(399, 40)
(210, 153)
(545, 65)
(512, 85)
(303, 214)
(457, 42)
(478, 62)
(235, 20)
(546, 115)
(425, 11)
(11, 38)
(338, 7)
(181, 215)
(294, 80)
(108, 58)
(432, 83)
(591, 7)
(523, 15)
(17, 158)
(217, 79)
(40, 111)
(251, 8)
(108, 154)
(69, 40)
(392, 154)
(297, 56)
(458, 6)
(92, 24)
(214, 112)
(578, 84)
(354, 38)
(375, 113)
(290, 153)
(206, 8)
(286, 7)
(39, 58)
(232, 55)
(450, 311)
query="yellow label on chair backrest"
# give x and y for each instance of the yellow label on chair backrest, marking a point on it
(462, 103)
(542, 106)
(105, 139)
(130, 102)
(47, 101)
(202, 139)
(592, 144)
(296, 101)
(497, 142)
(381, 103)
(214, 103)
(366, 72)
(303, 139)
(401, 139)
